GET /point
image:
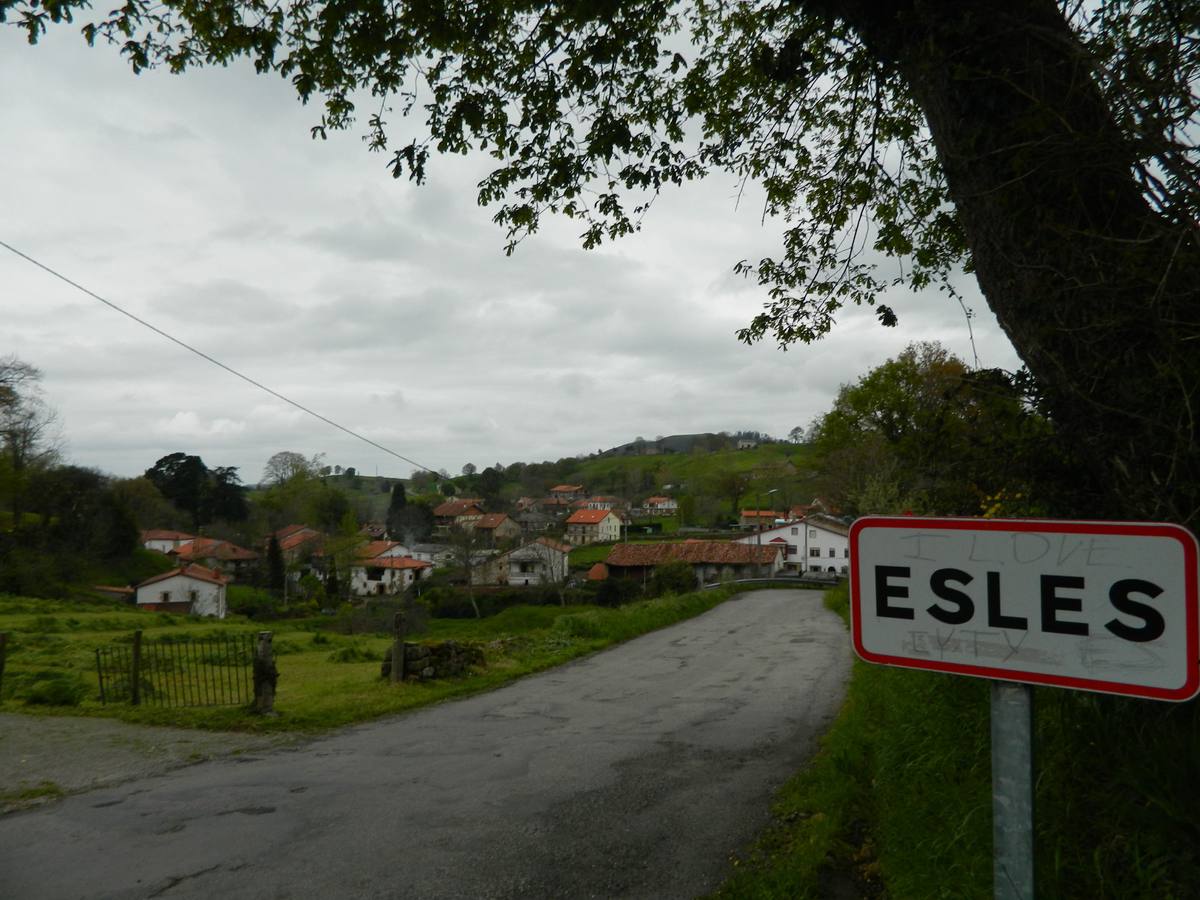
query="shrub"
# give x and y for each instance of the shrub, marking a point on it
(255, 603)
(580, 625)
(352, 654)
(56, 688)
(672, 578)
(615, 591)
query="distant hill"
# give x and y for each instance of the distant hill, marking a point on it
(683, 443)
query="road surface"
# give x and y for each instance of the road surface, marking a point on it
(632, 773)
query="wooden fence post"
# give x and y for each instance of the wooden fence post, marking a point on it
(135, 673)
(398, 648)
(3, 650)
(266, 676)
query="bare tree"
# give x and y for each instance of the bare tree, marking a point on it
(288, 464)
(28, 430)
(466, 545)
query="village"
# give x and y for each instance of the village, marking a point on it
(486, 549)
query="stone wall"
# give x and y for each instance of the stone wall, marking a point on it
(425, 662)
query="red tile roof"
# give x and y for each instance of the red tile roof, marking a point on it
(491, 520)
(394, 562)
(193, 571)
(300, 538)
(761, 513)
(163, 534)
(373, 549)
(210, 548)
(456, 508)
(290, 530)
(598, 572)
(589, 516)
(553, 544)
(695, 552)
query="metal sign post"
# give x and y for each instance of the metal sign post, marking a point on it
(1012, 790)
(1111, 607)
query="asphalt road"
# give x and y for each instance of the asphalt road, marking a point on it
(632, 773)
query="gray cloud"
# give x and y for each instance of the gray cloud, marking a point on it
(200, 204)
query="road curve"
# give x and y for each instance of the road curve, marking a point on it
(631, 773)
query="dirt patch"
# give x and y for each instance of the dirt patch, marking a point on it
(43, 758)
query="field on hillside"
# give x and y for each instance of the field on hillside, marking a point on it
(783, 467)
(326, 679)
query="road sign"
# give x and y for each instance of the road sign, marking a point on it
(1097, 606)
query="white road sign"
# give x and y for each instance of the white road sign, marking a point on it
(1097, 606)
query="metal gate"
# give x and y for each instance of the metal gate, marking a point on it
(210, 671)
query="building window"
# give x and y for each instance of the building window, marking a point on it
(193, 596)
(832, 551)
(812, 532)
(846, 553)
(813, 551)
(795, 531)
(164, 597)
(792, 549)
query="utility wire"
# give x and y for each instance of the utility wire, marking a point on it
(215, 362)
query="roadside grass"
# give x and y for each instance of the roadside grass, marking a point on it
(325, 680)
(46, 790)
(897, 802)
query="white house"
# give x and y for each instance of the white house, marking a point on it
(438, 554)
(382, 550)
(543, 561)
(662, 504)
(589, 526)
(162, 540)
(386, 575)
(193, 590)
(814, 544)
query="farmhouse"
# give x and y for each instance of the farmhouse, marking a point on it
(543, 561)
(497, 528)
(192, 589)
(223, 556)
(815, 544)
(162, 540)
(386, 575)
(587, 526)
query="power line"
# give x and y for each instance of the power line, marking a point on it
(215, 362)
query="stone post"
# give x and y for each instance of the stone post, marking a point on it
(266, 676)
(397, 648)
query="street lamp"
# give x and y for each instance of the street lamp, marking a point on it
(758, 497)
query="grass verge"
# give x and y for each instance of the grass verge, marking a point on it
(325, 680)
(897, 802)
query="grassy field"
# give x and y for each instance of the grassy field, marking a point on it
(325, 679)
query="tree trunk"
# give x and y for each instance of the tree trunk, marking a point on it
(1099, 293)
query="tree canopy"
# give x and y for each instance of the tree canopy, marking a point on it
(204, 494)
(924, 433)
(1049, 147)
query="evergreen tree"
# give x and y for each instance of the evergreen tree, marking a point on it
(275, 566)
(396, 506)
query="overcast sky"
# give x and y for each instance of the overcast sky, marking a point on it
(200, 204)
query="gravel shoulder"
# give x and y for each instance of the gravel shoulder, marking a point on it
(43, 758)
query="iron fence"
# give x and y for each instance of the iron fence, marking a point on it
(210, 671)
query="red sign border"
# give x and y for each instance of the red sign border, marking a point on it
(1052, 526)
